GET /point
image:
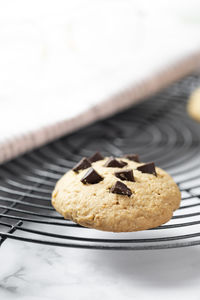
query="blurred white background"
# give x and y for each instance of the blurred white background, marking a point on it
(57, 58)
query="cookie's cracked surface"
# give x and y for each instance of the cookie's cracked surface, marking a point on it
(151, 203)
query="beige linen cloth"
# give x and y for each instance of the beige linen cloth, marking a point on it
(66, 64)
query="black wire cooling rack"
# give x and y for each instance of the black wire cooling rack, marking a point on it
(158, 129)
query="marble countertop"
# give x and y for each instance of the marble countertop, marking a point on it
(35, 272)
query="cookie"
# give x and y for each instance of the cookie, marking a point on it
(193, 106)
(117, 194)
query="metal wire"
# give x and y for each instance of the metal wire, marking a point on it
(158, 129)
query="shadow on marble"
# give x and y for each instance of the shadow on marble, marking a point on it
(157, 268)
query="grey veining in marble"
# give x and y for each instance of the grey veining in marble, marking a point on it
(29, 271)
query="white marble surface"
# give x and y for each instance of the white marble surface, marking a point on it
(35, 272)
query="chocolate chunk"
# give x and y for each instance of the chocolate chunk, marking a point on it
(95, 157)
(133, 157)
(125, 175)
(91, 176)
(121, 189)
(114, 163)
(148, 168)
(123, 163)
(84, 163)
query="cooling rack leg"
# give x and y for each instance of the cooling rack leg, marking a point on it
(10, 231)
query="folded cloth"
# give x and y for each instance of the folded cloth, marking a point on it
(69, 63)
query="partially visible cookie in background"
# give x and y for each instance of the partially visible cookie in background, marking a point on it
(116, 194)
(193, 106)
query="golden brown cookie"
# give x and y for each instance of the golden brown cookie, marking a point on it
(193, 106)
(116, 194)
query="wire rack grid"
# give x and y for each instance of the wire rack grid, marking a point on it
(158, 129)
